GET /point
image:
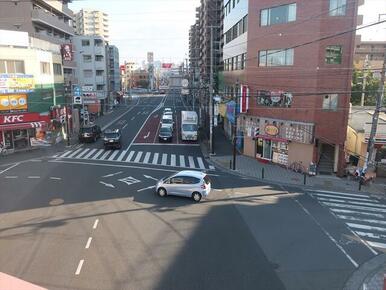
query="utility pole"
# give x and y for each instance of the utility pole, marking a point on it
(374, 125)
(235, 128)
(211, 93)
(365, 66)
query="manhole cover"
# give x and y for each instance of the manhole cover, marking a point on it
(56, 201)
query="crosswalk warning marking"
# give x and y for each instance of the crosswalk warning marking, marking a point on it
(182, 160)
(191, 161)
(138, 157)
(90, 153)
(155, 158)
(147, 156)
(128, 158)
(97, 154)
(173, 160)
(164, 159)
(113, 155)
(82, 153)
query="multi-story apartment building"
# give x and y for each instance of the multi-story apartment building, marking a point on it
(208, 20)
(114, 72)
(92, 22)
(369, 54)
(298, 84)
(194, 54)
(91, 58)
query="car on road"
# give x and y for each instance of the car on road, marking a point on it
(167, 121)
(112, 139)
(168, 113)
(187, 183)
(166, 110)
(165, 134)
(89, 133)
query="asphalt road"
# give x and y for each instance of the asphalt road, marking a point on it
(75, 222)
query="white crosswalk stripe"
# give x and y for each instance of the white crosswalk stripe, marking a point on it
(147, 156)
(154, 158)
(82, 153)
(182, 160)
(97, 154)
(191, 161)
(130, 156)
(104, 156)
(90, 153)
(362, 214)
(113, 155)
(138, 157)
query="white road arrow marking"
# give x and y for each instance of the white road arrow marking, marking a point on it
(129, 180)
(142, 189)
(148, 134)
(107, 184)
(150, 177)
(112, 174)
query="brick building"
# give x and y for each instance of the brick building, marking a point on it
(298, 85)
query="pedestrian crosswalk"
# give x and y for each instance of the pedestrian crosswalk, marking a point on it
(364, 215)
(151, 158)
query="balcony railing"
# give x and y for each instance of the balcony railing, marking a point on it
(47, 18)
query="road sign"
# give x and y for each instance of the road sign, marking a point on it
(77, 91)
(77, 100)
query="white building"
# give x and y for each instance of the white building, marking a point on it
(92, 68)
(92, 22)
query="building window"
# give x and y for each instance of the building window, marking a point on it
(100, 87)
(100, 72)
(334, 54)
(278, 15)
(99, 58)
(234, 4)
(87, 58)
(87, 73)
(330, 102)
(57, 69)
(245, 23)
(85, 42)
(45, 68)
(338, 7)
(281, 57)
(8, 66)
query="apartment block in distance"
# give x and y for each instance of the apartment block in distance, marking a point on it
(91, 58)
(92, 22)
(298, 85)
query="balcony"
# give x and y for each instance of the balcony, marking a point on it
(48, 19)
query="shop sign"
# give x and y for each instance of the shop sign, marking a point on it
(16, 83)
(231, 108)
(66, 51)
(271, 130)
(19, 118)
(14, 102)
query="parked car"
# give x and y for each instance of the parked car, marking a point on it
(193, 184)
(165, 134)
(89, 133)
(112, 139)
(168, 110)
(167, 121)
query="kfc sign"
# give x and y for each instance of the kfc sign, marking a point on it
(66, 50)
(19, 118)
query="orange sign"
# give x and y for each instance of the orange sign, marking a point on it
(17, 102)
(271, 130)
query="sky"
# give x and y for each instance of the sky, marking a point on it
(139, 26)
(162, 26)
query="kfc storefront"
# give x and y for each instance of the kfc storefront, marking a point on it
(17, 130)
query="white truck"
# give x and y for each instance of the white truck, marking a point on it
(189, 125)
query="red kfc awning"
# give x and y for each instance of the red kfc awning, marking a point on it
(19, 126)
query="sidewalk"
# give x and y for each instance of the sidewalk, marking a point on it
(269, 172)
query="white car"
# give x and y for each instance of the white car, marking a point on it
(167, 121)
(188, 183)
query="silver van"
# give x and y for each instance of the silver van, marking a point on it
(188, 183)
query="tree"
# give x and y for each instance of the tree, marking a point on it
(371, 89)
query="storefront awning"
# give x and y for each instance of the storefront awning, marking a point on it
(19, 126)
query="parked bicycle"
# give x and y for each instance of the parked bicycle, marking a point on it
(3, 150)
(297, 167)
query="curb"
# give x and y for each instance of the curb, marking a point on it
(365, 272)
(204, 151)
